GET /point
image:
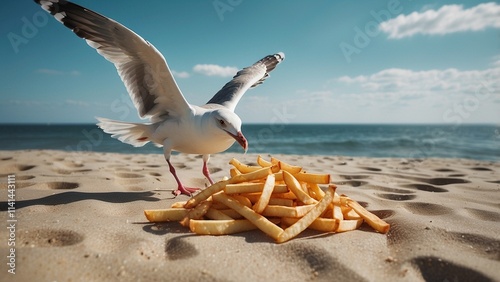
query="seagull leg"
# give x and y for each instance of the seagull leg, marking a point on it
(181, 189)
(206, 158)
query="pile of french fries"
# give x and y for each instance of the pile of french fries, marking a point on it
(280, 199)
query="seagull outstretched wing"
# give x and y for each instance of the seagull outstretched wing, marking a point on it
(249, 77)
(141, 66)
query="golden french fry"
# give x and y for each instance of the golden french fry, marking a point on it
(178, 204)
(207, 192)
(216, 214)
(217, 187)
(289, 168)
(352, 214)
(243, 188)
(231, 213)
(315, 191)
(243, 167)
(220, 227)
(295, 187)
(281, 202)
(337, 212)
(262, 162)
(233, 172)
(164, 215)
(289, 195)
(266, 194)
(196, 213)
(349, 225)
(319, 224)
(281, 211)
(374, 221)
(243, 200)
(307, 219)
(258, 220)
(313, 178)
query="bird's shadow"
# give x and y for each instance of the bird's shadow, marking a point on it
(72, 196)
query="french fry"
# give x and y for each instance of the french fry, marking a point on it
(233, 172)
(164, 215)
(374, 221)
(216, 215)
(243, 168)
(231, 213)
(337, 213)
(243, 188)
(352, 214)
(315, 191)
(349, 225)
(266, 194)
(178, 204)
(313, 178)
(262, 162)
(289, 168)
(258, 220)
(281, 202)
(220, 227)
(196, 213)
(281, 211)
(294, 186)
(306, 220)
(319, 224)
(243, 200)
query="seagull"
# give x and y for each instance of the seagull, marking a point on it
(174, 124)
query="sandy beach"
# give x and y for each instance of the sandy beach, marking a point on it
(79, 217)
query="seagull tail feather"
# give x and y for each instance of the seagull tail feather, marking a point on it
(135, 134)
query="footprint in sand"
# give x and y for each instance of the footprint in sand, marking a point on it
(178, 248)
(129, 178)
(15, 168)
(439, 269)
(61, 185)
(484, 215)
(48, 238)
(425, 187)
(396, 197)
(427, 208)
(319, 263)
(484, 246)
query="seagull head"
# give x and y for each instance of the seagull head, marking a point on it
(230, 124)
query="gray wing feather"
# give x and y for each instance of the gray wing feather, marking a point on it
(247, 78)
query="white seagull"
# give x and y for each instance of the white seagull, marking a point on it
(174, 123)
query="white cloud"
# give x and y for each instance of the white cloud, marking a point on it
(447, 19)
(403, 83)
(215, 70)
(182, 74)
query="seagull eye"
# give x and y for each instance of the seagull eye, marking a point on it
(222, 123)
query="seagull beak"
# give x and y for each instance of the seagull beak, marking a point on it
(240, 139)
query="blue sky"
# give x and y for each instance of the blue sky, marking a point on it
(346, 61)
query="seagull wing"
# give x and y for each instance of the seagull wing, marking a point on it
(141, 66)
(247, 78)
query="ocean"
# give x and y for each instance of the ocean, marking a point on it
(479, 142)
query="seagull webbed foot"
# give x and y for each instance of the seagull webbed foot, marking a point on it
(181, 190)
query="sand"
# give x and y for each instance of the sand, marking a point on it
(80, 218)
